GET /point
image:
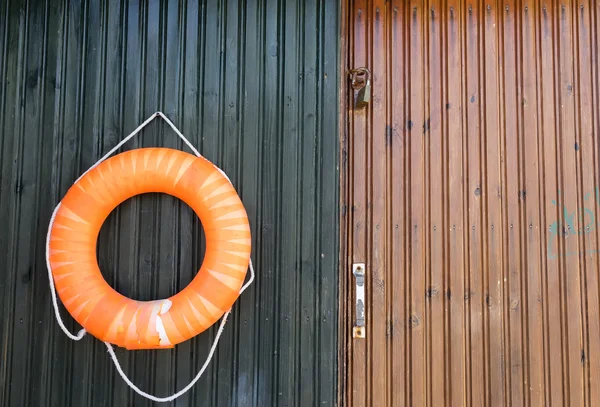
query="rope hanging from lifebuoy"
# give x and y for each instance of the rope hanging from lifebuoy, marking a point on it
(115, 319)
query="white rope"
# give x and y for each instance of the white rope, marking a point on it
(198, 375)
(82, 332)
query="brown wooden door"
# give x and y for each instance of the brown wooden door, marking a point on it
(470, 192)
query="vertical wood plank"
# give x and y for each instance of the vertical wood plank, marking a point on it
(360, 362)
(377, 171)
(454, 227)
(439, 111)
(491, 114)
(416, 205)
(530, 213)
(473, 186)
(398, 328)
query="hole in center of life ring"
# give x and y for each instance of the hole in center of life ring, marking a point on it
(150, 246)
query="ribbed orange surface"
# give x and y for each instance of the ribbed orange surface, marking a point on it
(112, 317)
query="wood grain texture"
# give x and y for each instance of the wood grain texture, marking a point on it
(253, 85)
(471, 183)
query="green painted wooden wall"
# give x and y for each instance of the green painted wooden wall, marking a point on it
(254, 85)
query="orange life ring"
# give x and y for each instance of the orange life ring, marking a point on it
(114, 318)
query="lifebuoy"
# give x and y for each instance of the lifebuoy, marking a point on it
(114, 318)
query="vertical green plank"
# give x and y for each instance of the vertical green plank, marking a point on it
(188, 250)
(43, 357)
(309, 173)
(123, 223)
(251, 159)
(101, 130)
(272, 78)
(228, 119)
(60, 364)
(149, 213)
(13, 28)
(327, 201)
(28, 154)
(167, 224)
(292, 213)
(210, 136)
(78, 119)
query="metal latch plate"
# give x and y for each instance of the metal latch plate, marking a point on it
(359, 330)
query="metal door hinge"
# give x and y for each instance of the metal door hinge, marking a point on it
(359, 330)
